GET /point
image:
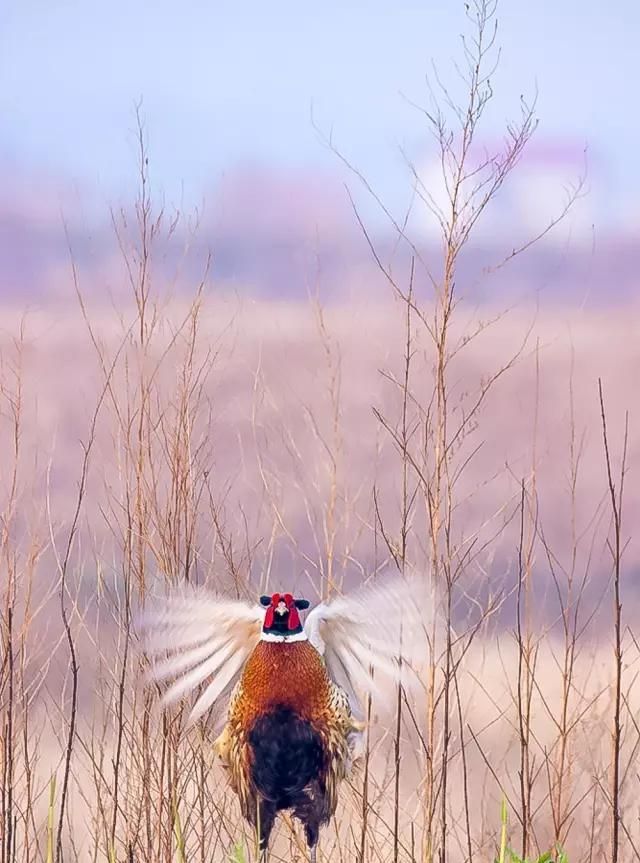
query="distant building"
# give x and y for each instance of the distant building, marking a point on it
(535, 193)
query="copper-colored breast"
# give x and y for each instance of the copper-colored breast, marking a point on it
(291, 674)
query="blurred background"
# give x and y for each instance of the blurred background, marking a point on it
(281, 143)
(239, 102)
(234, 393)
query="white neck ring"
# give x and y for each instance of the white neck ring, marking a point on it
(276, 637)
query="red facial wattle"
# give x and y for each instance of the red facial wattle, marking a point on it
(294, 617)
(268, 618)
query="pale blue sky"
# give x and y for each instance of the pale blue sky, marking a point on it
(230, 82)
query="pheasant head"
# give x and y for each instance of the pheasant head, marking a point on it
(282, 617)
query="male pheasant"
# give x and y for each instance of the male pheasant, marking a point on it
(292, 693)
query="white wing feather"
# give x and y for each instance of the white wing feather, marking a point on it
(196, 636)
(362, 636)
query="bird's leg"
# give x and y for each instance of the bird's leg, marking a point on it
(309, 809)
(265, 816)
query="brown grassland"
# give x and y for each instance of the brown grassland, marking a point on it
(176, 435)
(242, 439)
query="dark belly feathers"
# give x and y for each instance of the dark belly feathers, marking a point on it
(286, 755)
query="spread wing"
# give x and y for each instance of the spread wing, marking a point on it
(376, 636)
(197, 638)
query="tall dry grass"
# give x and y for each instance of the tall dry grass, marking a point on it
(262, 463)
(241, 444)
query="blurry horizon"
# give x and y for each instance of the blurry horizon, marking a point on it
(238, 102)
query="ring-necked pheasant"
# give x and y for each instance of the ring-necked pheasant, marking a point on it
(291, 691)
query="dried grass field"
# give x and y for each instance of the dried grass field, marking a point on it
(255, 444)
(156, 429)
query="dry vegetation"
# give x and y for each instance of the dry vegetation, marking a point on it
(243, 444)
(267, 457)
